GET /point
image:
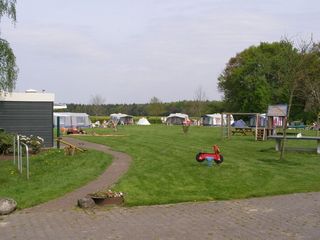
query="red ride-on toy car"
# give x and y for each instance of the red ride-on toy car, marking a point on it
(215, 156)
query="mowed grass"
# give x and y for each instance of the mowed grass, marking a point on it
(52, 174)
(164, 169)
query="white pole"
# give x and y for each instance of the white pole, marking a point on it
(27, 152)
(14, 150)
(18, 152)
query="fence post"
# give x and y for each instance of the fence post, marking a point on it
(58, 132)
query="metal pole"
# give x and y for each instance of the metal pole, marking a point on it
(58, 132)
(27, 154)
(14, 150)
(20, 159)
(257, 123)
(18, 151)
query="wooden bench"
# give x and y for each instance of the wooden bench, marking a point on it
(242, 131)
(279, 139)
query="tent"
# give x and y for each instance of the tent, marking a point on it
(215, 119)
(239, 123)
(123, 119)
(176, 118)
(72, 120)
(262, 122)
(143, 121)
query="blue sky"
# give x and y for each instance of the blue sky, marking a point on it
(129, 51)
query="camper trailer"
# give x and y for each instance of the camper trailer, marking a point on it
(72, 120)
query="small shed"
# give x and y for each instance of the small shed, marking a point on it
(72, 120)
(215, 119)
(122, 118)
(28, 113)
(176, 118)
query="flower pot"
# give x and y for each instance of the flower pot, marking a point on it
(101, 201)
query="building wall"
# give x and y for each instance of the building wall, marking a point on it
(28, 118)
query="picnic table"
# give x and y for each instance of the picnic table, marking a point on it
(244, 131)
(279, 139)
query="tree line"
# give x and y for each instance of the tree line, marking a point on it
(154, 108)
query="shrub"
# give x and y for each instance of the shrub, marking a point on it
(154, 120)
(6, 142)
(34, 142)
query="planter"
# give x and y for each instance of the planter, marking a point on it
(101, 201)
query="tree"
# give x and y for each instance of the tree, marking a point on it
(97, 102)
(198, 103)
(273, 73)
(300, 76)
(155, 107)
(263, 75)
(8, 67)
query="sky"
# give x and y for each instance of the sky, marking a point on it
(128, 51)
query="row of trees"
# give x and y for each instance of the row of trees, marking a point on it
(154, 108)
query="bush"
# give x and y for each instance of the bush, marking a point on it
(34, 142)
(6, 142)
(154, 120)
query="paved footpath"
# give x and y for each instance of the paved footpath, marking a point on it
(294, 216)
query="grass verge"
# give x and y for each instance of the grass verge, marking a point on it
(52, 174)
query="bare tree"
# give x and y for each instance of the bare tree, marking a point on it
(198, 103)
(295, 75)
(97, 101)
(155, 107)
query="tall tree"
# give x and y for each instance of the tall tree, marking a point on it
(8, 67)
(156, 107)
(97, 102)
(273, 73)
(263, 75)
(198, 104)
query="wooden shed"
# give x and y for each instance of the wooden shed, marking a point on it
(28, 113)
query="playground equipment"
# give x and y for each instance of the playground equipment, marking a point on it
(70, 148)
(215, 156)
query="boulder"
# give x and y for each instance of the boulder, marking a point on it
(86, 202)
(7, 206)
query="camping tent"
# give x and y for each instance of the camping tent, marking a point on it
(262, 122)
(177, 118)
(143, 121)
(122, 118)
(239, 123)
(72, 120)
(215, 119)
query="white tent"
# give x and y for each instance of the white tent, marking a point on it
(143, 121)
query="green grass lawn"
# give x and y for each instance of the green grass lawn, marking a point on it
(52, 174)
(164, 169)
